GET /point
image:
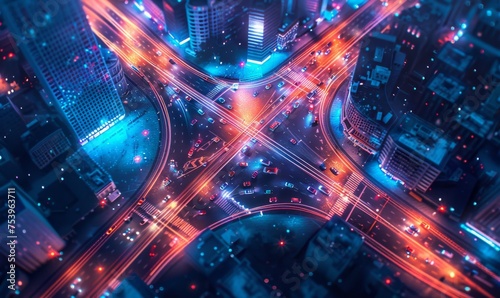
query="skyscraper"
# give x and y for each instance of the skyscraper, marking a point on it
(264, 19)
(210, 19)
(36, 238)
(58, 43)
(175, 20)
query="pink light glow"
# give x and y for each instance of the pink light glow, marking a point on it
(145, 132)
(137, 159)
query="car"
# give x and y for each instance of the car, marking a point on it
(470, 259)
(334, 171)
(231, 173)
(329, 44)
(322, 166)
(223, 186)
(202, 212)
(173, 242)
(229, 107)
(166, 199)
(318, 52)
(328, 52)
(254, 174)
(312, 190)
(128, 233)
(446, 253)
(166, 181)
(216, 139)
(255, 93)
(223, 121)
(176, 90)
(273, 199)
(412, 230)
(297, 82)
(304, 69)
(286, 113)
(190, 153)
(425, 225)
(311, 108)
(346, 56)
(268, 86)
(409, 250)
(316, 121)
(141, 201)
(152, 251)
(172, 61)
(282, 97)
(197, 144)
(296, 200)
(194, 121)
(281, 84)
(265, 162)
(201, 112)
(110, 230)
(319, 84)
(268, 191)
(214, 197)
(210, 120)
(243, 164)
(188, 98)
(247, 192)
(221, 100)
(144, 221)
(312, 53)
(289, 185)
(271, 170)
(293, 141)
(245, 149)
(175, 97)
(253, 140)
(247, 184)
(324, 190)
(128, 218)
(296, 104)
(261, 121)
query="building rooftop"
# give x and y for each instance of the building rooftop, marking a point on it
(455, 58)
(208, 252)
(336, 241)
(243, 281)
(90, 172)
(424, 140)
(131, 287)
(446, 87)
(377, 69)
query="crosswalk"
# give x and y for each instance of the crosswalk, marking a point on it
(305, 82)
(214, 91)
(185, 227)
(353, 182)
(148, 210)
(339, 207)
(228, 205)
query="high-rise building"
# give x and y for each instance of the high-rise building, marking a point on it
(264, 19)
(312, 8)
(59, 45)
(116, 71)
(367, 114)
(210, 19)
(36, 238)
(415, 153)
(12, 125)
(175, 20)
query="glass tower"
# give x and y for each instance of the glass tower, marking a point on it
(58, 43)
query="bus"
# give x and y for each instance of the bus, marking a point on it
(274, 125)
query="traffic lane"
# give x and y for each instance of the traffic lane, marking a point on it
(117, 245)
(373, 199)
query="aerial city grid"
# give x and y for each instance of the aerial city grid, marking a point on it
(250, 148)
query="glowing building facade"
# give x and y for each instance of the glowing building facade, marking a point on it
(59, 45)
(263, 23)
